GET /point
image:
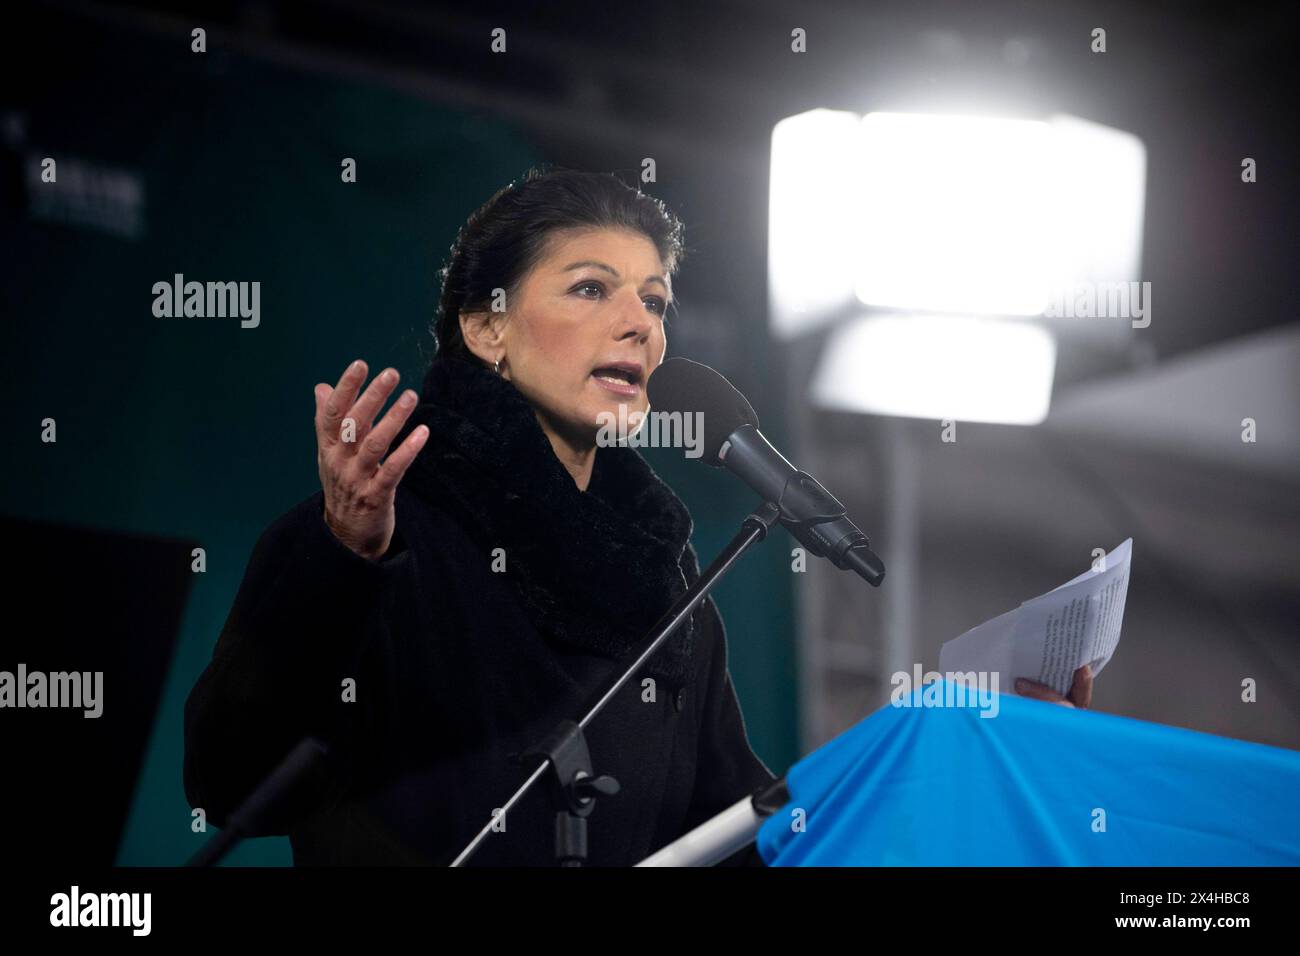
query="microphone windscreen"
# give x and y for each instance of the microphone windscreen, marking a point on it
(680, 385)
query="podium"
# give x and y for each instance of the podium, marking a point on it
(1034, 784)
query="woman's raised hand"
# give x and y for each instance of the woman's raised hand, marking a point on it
(359, 489)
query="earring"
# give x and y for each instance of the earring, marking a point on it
(497, 367)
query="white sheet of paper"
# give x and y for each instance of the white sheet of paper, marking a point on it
(1051, 636)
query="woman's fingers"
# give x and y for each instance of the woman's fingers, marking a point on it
(322, 392)
(1081, 691)
(1029, 688)
(394, 467)
(367, 407)
(330, 413)
(377, 442)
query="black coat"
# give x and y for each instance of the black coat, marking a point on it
(458, 665)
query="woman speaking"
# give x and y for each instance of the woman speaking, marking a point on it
(473, 566)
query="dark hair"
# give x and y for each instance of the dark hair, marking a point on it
(504, 238)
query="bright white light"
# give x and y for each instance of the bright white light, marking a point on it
(959, 214)
(810, 239)
(953, 212)
(929, 366)
(1097, 208)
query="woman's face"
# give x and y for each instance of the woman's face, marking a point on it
(596, 299)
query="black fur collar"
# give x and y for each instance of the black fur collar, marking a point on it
(594, 569)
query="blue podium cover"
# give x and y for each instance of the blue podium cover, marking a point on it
(1036, 784)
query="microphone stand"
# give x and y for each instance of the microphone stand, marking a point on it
(574, 787)
(309, 754)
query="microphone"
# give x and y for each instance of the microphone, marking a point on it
(732, 440)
